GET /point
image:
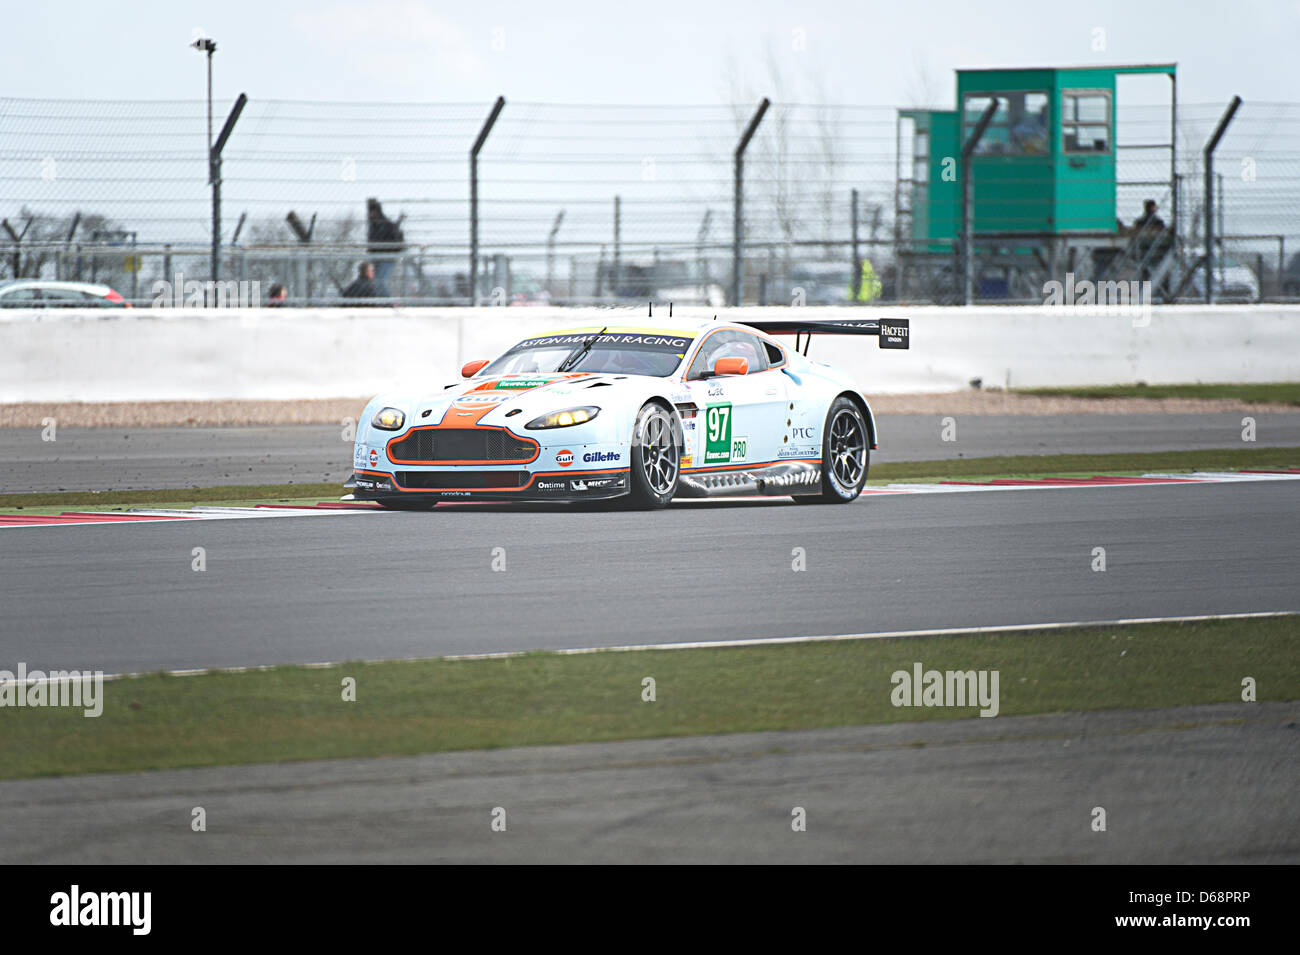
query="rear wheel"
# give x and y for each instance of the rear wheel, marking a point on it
(845, 455)
(656, 458)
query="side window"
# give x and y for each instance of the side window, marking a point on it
(62, 298)
(20, 298)
(1085, 121)
(1018, 127)
(774, 354)
(728, 344)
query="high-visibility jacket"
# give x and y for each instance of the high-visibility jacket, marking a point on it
(869, 286)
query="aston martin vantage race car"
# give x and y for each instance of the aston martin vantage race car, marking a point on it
(642, 413)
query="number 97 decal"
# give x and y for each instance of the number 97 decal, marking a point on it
(720, 447)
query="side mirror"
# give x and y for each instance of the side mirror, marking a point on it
(731, 366)
(472, 368)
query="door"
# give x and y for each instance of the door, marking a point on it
(741, 418)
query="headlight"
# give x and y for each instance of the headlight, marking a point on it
(564, 419)
(389, 419)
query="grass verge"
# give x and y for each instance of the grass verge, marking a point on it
(178, 497)
(1075, 465)
(402, 708)
(1275, 393)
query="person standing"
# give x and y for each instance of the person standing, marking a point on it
(363, 286)
(1149, 223)
(385, 241)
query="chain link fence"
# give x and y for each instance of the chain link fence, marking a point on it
(577, 204)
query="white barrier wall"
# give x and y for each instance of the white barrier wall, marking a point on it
(198, 354)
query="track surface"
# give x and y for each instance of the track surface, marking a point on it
(125, 599)
(93, 459)
(1009, 789)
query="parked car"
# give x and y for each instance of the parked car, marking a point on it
(822, 283)
(1233, 282)
(713, 295)
(1291, 277)
(39, 293)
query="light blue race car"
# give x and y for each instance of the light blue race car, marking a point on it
(642, 413)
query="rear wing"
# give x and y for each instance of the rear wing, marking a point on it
(892, 332)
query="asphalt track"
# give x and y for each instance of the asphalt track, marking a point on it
(1204, 784)
(369, 585)
(1210, 784)
(96, 459)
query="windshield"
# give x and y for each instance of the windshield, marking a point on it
(622, 353)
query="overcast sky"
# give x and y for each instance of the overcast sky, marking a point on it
(866, 52)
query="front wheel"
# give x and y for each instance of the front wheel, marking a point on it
(656, 458)
(845, 455)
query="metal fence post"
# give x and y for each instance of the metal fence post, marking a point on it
(473, 196)
(214, 171)
(967, 203)
(60, 265)
(301, 258)
(701, 263)
(550, 251)
(617, 281)
(738, 203)
(1210, 147)
(855, 281)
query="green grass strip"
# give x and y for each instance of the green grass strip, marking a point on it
(1276, 393)
(1058, 465)
(402, 708)
(178, 497)
(1047, 465)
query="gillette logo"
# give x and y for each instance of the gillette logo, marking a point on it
(599, 457)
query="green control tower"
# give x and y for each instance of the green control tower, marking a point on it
(1044, 180)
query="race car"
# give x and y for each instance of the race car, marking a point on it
(641, 413)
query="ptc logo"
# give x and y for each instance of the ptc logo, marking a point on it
(564, 458)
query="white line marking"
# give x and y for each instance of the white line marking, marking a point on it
(751, 642)
(211, 513)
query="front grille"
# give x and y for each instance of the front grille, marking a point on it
(439, 480)
(462, 444)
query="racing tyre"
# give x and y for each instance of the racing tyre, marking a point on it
(656, 459)
(845, 455)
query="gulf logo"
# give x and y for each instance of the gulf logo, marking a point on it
(564, 458)
(479, 399)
